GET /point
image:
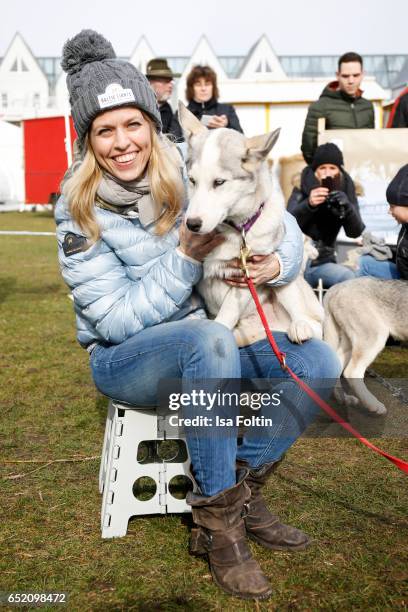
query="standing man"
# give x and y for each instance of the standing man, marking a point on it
(341, 104)
(161, 77)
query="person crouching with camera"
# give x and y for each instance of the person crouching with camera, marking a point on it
(325, 202)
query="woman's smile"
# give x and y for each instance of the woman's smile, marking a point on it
(126, 159)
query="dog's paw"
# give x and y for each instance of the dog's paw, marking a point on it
(376, 408)
(350, 400)
(299, 331)
(344, 398)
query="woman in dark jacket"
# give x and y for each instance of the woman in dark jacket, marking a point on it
(325, 202)
(202, 96)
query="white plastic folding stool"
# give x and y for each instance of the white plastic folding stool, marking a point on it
(126, 427)
(320, 291)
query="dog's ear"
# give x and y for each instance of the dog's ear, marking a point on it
(258, 147)
(190, 124)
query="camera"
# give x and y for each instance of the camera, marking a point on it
(336, 201)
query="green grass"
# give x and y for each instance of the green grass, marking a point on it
(351, 501)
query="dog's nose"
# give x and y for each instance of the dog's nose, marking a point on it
(194, 224)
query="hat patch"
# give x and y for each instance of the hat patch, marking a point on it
(114, 95)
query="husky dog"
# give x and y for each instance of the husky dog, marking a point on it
(309, 252)
(360, 315)
(230, 183)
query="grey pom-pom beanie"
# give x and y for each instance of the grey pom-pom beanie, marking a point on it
(97, 81)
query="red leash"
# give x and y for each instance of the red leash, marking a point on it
(402, 465)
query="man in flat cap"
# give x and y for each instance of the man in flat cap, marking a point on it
(161, 78)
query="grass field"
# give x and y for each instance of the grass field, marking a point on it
(52, 422)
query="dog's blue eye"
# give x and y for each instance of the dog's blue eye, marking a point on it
(192, 181)
(218, 183)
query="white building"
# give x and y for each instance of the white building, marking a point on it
(268, 91)
(24, 88)
(11, 164)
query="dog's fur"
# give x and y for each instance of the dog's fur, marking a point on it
(360, 315)
(241, 163)
(309, 252)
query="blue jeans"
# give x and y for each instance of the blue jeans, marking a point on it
(369, 266)
(201, 349)
(330, 273)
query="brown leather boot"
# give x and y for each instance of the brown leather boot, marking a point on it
(221, 535)
(263, 526)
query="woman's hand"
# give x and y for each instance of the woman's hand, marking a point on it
(198, 246)
(318, 195)
(218, 121)
(261, 268)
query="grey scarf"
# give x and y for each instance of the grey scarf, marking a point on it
(129, 199)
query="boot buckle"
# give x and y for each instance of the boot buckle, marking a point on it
(245, 511)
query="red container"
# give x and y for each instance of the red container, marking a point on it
(45, 157)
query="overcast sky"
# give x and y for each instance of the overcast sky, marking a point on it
(294, 27)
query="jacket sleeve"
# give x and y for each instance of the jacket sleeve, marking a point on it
(401, 253)
(402, 267)
(309, 136)
(401, 114)
(299, 207)
(372, 120)
(353, 224)
(114, 300)
(175, 129)
(289, 252)
(233, 121)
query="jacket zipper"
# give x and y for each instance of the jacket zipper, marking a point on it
(352, 106)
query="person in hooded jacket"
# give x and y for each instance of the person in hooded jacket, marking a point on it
(202, 96)
(341, 104)
(324, 203)
(131, 265)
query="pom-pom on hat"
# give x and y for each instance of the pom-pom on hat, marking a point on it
(397, 191)
(328, 153)
(97, 81)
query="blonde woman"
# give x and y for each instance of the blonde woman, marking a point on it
(131, 266)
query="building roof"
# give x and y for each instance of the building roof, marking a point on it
(387, 69)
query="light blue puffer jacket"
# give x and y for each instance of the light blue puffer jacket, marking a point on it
(132, 279)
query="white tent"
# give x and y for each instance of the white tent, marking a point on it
(11, 165)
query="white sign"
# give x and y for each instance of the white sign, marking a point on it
(372, 158)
